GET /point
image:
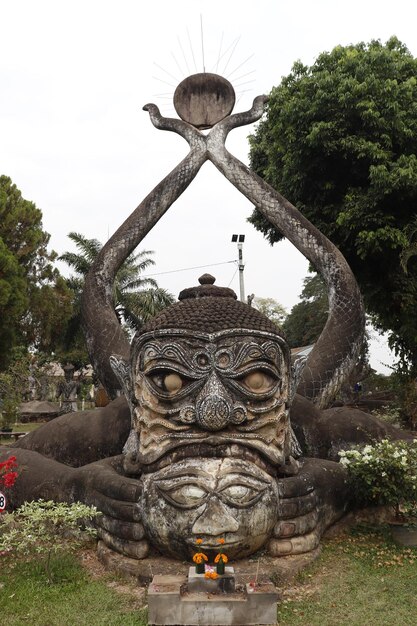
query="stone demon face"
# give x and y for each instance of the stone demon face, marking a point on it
(210, 499)
(220, 388)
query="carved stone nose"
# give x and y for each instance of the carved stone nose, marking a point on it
(213, 413)
(216, 519)
(214, 406)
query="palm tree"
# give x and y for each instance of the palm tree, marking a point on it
(136, 298)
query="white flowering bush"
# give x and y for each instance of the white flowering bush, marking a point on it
(385, 473)
(42, 528)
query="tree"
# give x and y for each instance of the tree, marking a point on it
(136, 298)
(272, 309)
(307, 318)
(34, 300)
(340, 142)
(13, 384)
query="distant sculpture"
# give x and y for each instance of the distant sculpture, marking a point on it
(68, 389)
(211, 439)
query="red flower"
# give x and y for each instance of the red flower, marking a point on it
(7, 475)
(9, 479)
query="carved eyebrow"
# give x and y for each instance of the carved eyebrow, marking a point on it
(186, 474)
(235, 475)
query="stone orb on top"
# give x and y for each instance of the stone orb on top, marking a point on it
(204, 99)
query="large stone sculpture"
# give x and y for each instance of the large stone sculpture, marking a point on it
(204, 441)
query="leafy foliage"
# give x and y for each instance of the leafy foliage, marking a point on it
(307, 318)
(34, 300)
(13, 385)
(136, 298)
(43, 528)
(340, 142)
(385, 473)
(272, 309)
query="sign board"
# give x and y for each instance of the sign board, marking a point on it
(2, 501)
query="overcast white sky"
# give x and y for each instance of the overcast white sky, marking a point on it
(73, 137)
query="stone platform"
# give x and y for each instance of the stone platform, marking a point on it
(198, 583)
(171, 602)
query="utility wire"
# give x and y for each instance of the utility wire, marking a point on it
(184, 269)
(231, 280)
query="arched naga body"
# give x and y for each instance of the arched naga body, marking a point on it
(208, 440)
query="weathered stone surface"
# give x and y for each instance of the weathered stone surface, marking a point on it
(167, 605)
(218, 399)
(209, 498)
(82, 437)
(204, 99)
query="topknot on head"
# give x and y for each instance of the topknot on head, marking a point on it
(207, 288)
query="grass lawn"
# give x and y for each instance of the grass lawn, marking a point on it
(19, 427)
(361, 579)
(75, 598)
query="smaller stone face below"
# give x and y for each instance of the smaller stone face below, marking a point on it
(170, 602)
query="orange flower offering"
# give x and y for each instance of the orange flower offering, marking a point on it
(211, 574)
(198, 541)
(221, 541)
(221, 557)
(199, 557)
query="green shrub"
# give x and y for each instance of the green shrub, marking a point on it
(385, 473)
(42, 529)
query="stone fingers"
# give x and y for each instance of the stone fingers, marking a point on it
(296, 486)
(132, 549)
(294, 507)
(125, 511)
(117, 487)
(299, 526)
(132, 531)
(295, 545)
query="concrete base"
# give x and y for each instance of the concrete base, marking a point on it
(171, 603)
(198, 583)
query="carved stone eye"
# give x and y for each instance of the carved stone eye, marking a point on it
(258, 382)
(170, 383)
(241, 495)
(173, 383)
(188, 496)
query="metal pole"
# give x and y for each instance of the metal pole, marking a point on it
(241, 268)
(239, 239)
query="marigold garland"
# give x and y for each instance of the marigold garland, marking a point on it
(199, 557)
(221, 557)
(211, 574)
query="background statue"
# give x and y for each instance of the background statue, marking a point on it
(209, 436)
(68, 390)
